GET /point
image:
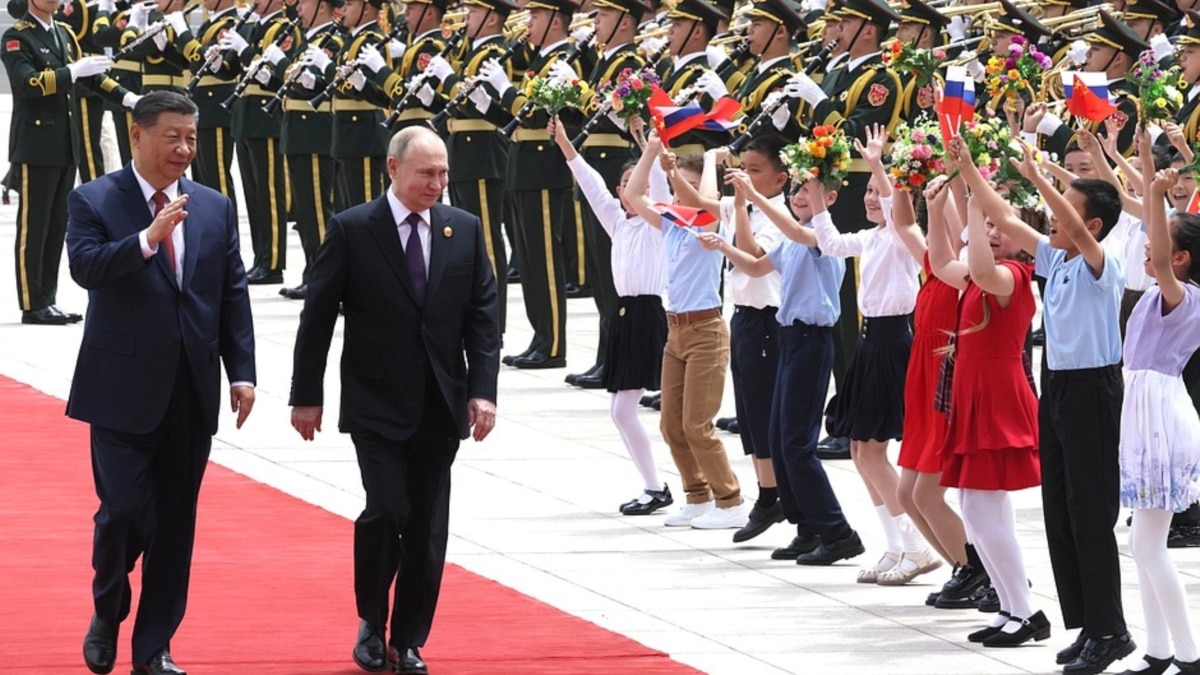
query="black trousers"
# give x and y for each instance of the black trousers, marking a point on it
(360, 180)
(41, 230)
(401, 534)
(541, 215)
(797, 409)
(1079, 416)
(148, 485)
(312, 179)
(485, 198)
(91, 158)
(214, 157)
(754, 362)
(265, 186)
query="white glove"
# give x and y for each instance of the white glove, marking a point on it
(89, 66)
(1049, 124)
(817, 5)
(653, 45)
(715, 54)
(1162, 47)
(107, 6)
(616, 119)
(561, 71)
(1078, 52)
(957, 28)
(130, 99)
(316, 57)
(973, 66)
(582, 34)
(160, 40)
(273, 54)
(425, 94)
(139, 13)
(396, 49)
(357, 79)
(480, 99)
(802, 86)
(650, 25)
(781, 116)
(439, 68)
(177, 22)
(493, 73)
(710, 83)
(308, 80)
(371, 59)
(263, 75)
(233, 41)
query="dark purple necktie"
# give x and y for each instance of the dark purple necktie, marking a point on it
(416, 256)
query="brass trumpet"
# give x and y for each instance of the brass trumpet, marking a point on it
(727, 40)
(516, 19)
(656, 33)
(986, 8)
(581, 21)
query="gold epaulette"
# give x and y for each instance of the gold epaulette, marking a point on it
(23, 24)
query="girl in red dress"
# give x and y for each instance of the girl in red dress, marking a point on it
(992, 440)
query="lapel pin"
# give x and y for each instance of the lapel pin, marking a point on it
(448, 232)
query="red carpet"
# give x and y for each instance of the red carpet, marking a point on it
(271, 582)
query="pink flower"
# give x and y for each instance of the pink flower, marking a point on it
(1018, 39)
(636, 84)
(918, 136)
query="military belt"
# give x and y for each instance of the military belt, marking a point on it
(607, 141)
(415, 114)
(129, 65)
(165, 80)
(458, 126)
(213, 81)
(292, 105)
(523, 134)
(255, 90)
(688, 149)
(352, 105)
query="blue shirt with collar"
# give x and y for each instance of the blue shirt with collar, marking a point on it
(1081, 312)
(811, 284)
(693, 272)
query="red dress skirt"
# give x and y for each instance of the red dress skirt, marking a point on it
(992, 437)
(924, 426)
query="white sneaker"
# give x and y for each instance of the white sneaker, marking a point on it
(724, 518)
(684, 517)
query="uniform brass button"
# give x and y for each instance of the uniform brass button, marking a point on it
(354, 118)
(540, 148)
(622, 312)
(303, 116)
(468, 139)
(37, 123)
(210, 94)
(603, 155)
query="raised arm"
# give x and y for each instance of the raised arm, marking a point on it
(943, 255)
(981, 262)
(752, 266)
(993, 204)
(604, 204)
(1066, 219)
(829, 240)
(1090, 144)
(1158, 231)
(637, 189)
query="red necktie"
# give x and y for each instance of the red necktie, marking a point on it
(160, 200)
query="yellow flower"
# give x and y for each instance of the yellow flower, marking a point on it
(819, 152)
(1161, 102)
(1014, 75)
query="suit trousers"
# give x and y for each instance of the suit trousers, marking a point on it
(41, 230)
(797, 411)
(485, 198)
(91, 158)
(265, 187)
(1078, 417)
(540, 216)
(754, 363)
(693, 383)
(214, 157)
(401, 534)
(148, 485)
(312, 179)
(360, 180)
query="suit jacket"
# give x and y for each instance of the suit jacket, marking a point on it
(139, 320)
(392, 342)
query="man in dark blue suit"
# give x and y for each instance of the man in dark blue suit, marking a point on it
(419, 368)
(167, 302)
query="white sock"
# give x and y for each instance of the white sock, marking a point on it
(994, 525)
(895, 543)
(623, 411)
(910, 536)
(1165, 603)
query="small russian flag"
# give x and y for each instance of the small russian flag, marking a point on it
(958, 102)
(685, 216)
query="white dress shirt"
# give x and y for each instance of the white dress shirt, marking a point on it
(400, 216)
(148, 250)
(1127, 241)
(756, 292)
(890, 281)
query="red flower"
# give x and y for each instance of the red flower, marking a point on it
(636, 84)
(821, 131)
(916, 180)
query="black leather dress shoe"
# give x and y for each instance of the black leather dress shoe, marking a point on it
(513, 276)
(264, 277)
(648, 502)
(959, 591)
(571, 378)
(1183, 536)
(574, 291)
(830, 552)
(1187, 667)
(799, 545)
(761, 519)
(1038, 337)
(649, 399)
(509, 359)
(989, 602)
(1157, 666)
(410, 663)
(722, 423)
(72, 317)
(1036, 627)
(985, 633)
(1098, 654)
(734, 427)
(592, 381)
(539, 361)
(100, 645)
(833, 447)
(369, 651)
(969, 602)
(298, 293)
(1072, 652)
(657, 403)
(159, 664)
(44, 317)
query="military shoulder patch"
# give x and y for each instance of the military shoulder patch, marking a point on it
(877, 94)
(925, 97)
(1120, 119)
(12, 45)
(423, 61)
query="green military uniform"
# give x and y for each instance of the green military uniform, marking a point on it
(540, 183)
(679, 73)
(256, 137)
(477, 151)
(395, 81)
(107, 30)
(214, 143)
(768, 76)
(43, 144)
(919, 101)
(82, 19)
(359, 138)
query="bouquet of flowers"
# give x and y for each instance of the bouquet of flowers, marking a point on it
(1022, 68)
(631, 92)
(921, 63)
(825, 156)
(991, 145)
(917, 154)
(1158, 90)
(552, 94)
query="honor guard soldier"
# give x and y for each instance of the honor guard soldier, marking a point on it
(359, 138)
(1149, 19)
(306, 134)
(539, 185)
(477, 150)
(830, 31)
(424, 21)
(83, 19)
(110, 23)
(43, 62)
(149, 37)
(272, 40)
(1188, 117)
(920, 26)
(732, 66)
(693, 25)
(211, 54)
(1113, 49)
(863, 93)
(1013, 21)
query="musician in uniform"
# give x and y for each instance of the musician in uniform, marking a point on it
(1148, 18)
(694, 23)
(109, 24)
(305, 134)
(920, 26)
(477, 150)
(539, 185)
(413, 108)
(149, 37)
(83, 20)
(211, 54)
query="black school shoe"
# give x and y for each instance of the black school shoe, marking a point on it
(648, 502)
(1098, 654)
